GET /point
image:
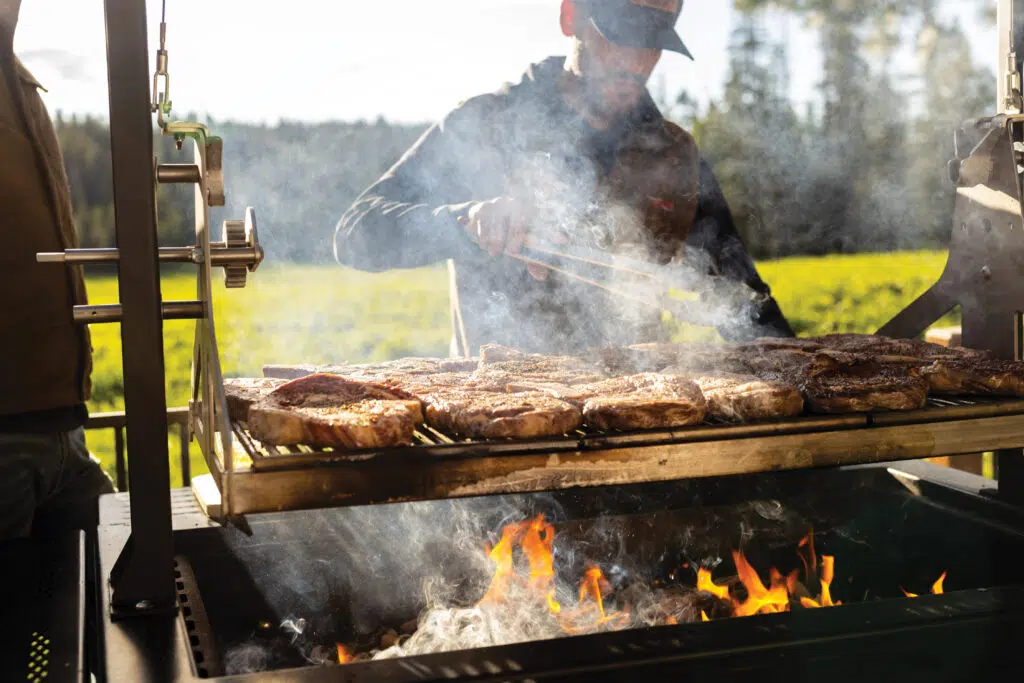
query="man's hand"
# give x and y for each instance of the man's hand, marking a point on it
(500, 226)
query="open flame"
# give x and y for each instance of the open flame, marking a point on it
(536, 540)
(594, 606)
(937, 588)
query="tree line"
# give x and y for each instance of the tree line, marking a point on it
(860, 170)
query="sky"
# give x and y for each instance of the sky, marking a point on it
(316, 60)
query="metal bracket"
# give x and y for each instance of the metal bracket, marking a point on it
(985, 271)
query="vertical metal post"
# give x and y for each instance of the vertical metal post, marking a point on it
(1010, 20)
(142, 579)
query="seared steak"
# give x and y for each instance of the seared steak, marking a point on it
(376, 371)
(746, 398)
(959, 376)
(243, 392)
(887, 346)
(489, 415)
(948, 370)
(645, 401)
(329, 410)
(838, 382)
(500, 366)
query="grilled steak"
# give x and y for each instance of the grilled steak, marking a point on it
(886, 346)
(288, 372)
(746, 398)
(641, 358)
(959, 376)
(500, 366)
(329, 410)
(376, 371)
(948, 371)
(489, 415)
(645, 401)
(243, 392)
(838, 382)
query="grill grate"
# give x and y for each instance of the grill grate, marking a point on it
(431, 442)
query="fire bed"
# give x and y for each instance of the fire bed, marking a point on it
(189, 592)
(349, 572)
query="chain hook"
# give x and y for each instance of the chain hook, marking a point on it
(161, 104)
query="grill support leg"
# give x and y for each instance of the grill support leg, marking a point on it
(143, 578)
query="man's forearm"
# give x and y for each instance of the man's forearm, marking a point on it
(378, 233)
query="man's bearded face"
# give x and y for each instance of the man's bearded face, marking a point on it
(615, 76)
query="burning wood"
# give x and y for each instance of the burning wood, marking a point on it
(527, 600)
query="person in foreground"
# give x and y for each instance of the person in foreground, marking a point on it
(48, 481)
(576, 153)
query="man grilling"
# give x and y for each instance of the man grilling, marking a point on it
(48, 481)
(576, 153)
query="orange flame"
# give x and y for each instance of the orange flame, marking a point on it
(704, 583)
(343, 655)
(704, 616)
(937, 587)
(759, 599)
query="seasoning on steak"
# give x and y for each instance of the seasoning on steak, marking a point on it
(746, 398)
(490, 415)
(330, 410)
(644, 401)
(243, 392)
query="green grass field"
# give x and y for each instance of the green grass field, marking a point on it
(304, 314)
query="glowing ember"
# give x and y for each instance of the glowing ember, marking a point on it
(343, 655)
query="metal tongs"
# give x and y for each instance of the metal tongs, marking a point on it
(710, 300)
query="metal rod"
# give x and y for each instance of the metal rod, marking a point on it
(121, 471)
(221, 255)
(186, 465)
(114, 313)
(181, 174)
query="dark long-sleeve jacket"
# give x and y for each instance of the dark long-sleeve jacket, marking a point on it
(639, 188)
(46, 364)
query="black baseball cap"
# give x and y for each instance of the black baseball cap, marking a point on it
(643, 24)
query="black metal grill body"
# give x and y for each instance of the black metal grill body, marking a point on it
(42, 636)
(887, 527)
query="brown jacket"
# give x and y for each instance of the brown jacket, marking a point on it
(45, 358)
